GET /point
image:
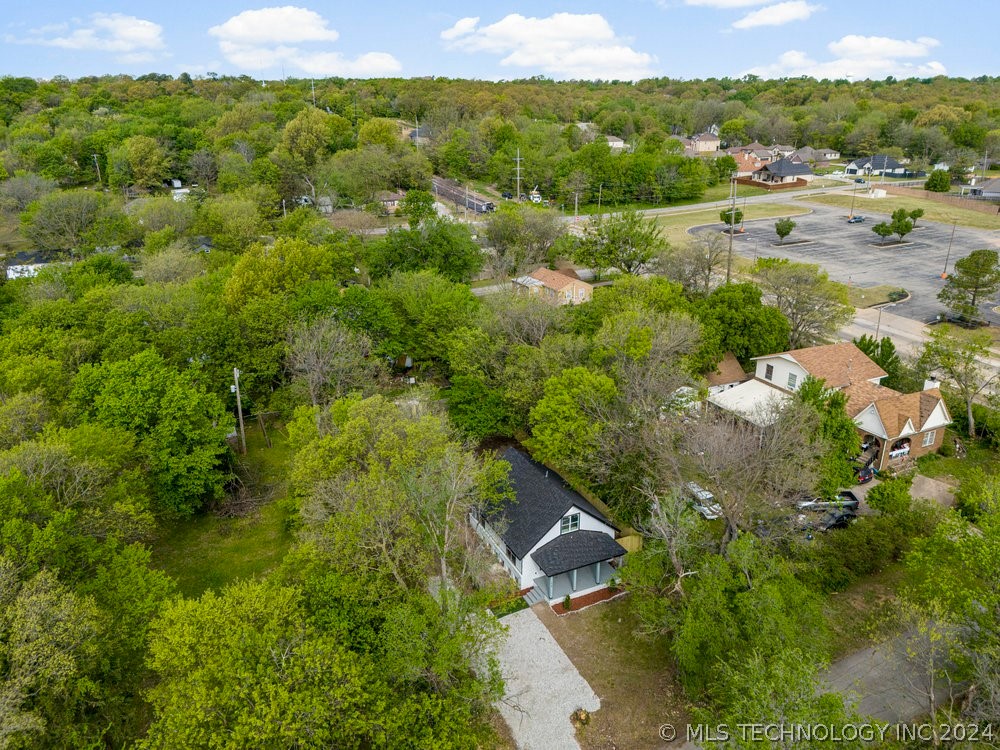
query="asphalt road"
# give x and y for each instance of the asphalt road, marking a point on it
(850, 254)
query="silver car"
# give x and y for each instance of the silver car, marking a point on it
(703, 501)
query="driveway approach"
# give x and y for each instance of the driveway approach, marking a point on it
(543, 686)
(850, 253)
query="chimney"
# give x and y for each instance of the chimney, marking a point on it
(931, 382)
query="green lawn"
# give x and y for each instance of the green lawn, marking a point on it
(675, 226)
(208, 551)
(940, 212)
(979, 457)
(861, 296)
(857, 615)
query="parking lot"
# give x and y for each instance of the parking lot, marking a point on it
(850, 254)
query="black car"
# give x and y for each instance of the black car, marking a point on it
(836, 519)
(506, 196)
(856, 220)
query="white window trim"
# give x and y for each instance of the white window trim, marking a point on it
(793, 380)
(569, 524)
(928, 438)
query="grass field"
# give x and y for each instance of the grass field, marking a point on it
(208, 551)
(932, 211)
(867, 296)
(953, 469)
(675, 226)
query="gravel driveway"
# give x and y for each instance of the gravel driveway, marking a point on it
(543, 686)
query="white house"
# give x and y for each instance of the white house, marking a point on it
(892, 425)
(548, 537)
(880, 164)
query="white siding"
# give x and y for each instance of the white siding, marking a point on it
(530, 571)
(869, 421)
(782, 368)
(938, 418)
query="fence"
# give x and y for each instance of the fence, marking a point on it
(771, 185)
(951, 200)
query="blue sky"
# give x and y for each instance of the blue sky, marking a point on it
(630, 39)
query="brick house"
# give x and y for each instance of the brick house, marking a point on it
(555, 287)
(894, 427)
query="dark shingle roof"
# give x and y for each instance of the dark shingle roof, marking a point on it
(879, 161)
(574, 550)
(542, 498)
(786, 168)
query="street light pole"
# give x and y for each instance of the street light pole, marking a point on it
(854, 196)
(944, 273)
(732, 224)
(878, 325)
(239, 410)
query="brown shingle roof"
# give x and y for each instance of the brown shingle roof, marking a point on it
(838, 365)
(552, 279)
(894, 409)
(728, 371)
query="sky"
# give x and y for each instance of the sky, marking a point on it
(626, 40)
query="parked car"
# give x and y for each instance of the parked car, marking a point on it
(836, 519)
(843, 500)
(859, 179)
(866, 474)
(856, 220)
(506, 196)
(703, 501)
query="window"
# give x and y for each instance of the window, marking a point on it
(929, 438)
(769, 371)
(569, 523)
(510, 555)
(792, 378)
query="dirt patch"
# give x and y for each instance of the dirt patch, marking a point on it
(633, 676)
(933, 489)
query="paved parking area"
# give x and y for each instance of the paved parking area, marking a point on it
(849, 253)
(543, 686)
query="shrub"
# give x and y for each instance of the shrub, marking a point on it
(567, 603)
(897, 295)
(938, 182)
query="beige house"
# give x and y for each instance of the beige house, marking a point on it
(894, 427)
(705, 142)
(555, 287)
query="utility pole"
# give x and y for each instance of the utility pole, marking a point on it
(576, 206)
(314, 92)
(239, 410)
(466, 204)
(97, 166)
(944, 273)
(732, 225)
(600, 194)
(517, 162)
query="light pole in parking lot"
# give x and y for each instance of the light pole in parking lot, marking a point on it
(854, 196)
(878, 325)
(944, 273)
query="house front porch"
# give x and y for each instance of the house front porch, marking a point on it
(572, 583)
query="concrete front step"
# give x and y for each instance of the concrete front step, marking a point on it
(534, 596)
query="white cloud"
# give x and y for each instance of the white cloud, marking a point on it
(269, 37)
(859, 58)
(131, 39)
(565, 45)
(725, 3)
(854, 46)
(287, 24)
(777, 15)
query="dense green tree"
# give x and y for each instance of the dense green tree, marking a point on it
(735, 319)
(417, 206)
(838, 432)
(901, 223)
(975, 276)
(626, 241)
(959, 355)
(439, 245)
(731, 217)
(938, 182)
(884, 230)
(564, 426)
(783, 228)
(181, 428)
(814, 306)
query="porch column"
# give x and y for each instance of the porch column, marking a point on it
(597, 572)
(572, 579)
(550, 586)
